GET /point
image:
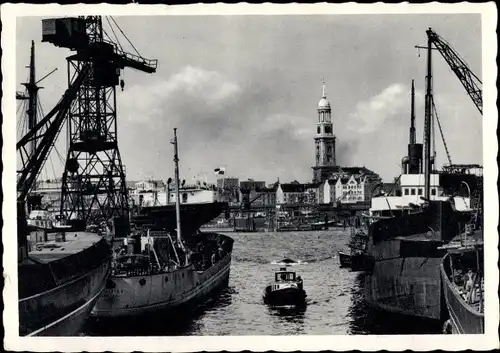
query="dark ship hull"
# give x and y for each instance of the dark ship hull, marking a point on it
(361, 262)
(405, 278)
(193, 216)
(284, 297)
(345, 259)
(57, 292)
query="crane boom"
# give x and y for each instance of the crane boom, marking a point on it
(469, 80)
(46, 132)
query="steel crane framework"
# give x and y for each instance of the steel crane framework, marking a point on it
(93, 183)
(469, 80)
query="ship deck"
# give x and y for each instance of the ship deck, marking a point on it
(53, 250)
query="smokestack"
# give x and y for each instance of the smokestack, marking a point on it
(412, 125)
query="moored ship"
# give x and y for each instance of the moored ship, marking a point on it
(407, 235)
(156, 209)
(166, 271)
(463, 283)
(61, 270)
(60, 280)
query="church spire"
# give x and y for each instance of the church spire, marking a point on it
(324, 89)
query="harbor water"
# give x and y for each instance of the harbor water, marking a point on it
(334, 295)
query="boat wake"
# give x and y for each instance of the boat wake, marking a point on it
(289, 263)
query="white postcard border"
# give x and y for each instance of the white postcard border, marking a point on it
(9, 13)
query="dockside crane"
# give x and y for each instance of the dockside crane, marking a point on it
(93, 183)
(469, 80)
(94, 178)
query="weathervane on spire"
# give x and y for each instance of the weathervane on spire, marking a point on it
(324, 90)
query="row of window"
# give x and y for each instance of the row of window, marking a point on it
(351, 187)
(418, 191)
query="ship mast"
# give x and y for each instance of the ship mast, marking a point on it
(428, 126)
(413, 139)
(177, 192)
(32, 98)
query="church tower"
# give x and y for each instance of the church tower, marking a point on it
(324, 142)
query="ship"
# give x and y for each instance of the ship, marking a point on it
(287, 290)
(154, 206)
(165, 267)
(60, 280)
(462, 270)
(61, 270)
(357, 258)
(408, 229)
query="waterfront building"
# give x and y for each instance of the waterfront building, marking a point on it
(229, 189)
(296, 193)
(252, 184)
(148, 185)
(348, 185)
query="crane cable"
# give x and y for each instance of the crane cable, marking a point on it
(126, 37)
(116, 37)
(441, 132)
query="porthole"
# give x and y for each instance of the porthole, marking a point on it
(142, 281)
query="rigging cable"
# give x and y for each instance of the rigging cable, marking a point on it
(126, 37)
(442, 134)
(114, 34)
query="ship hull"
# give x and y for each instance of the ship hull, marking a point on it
(62, 311)
(166, 292)
(285, 297)
(463, 318)
(361, 262)
(402, 282)
(193, 216)
(345, 259)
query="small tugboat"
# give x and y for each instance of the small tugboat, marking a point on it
(357, 258)
(345, 259)
(286, 290)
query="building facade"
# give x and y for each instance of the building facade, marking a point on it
(296, 193)
(229, 189)
(349, 185)
(324, 141)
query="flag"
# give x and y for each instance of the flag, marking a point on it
(219, 171)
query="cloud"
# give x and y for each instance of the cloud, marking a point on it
(377, 131)
(220, 122)
(373, 113)
(194, 85)
(299, 127)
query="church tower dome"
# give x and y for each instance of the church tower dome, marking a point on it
(324, 103)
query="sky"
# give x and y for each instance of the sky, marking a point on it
(243, 91)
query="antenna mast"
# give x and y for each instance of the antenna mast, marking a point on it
(428, 125)
(412, 126)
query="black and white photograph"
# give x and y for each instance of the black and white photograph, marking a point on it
(229, 177)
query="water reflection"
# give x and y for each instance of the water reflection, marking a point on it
(291, 314)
